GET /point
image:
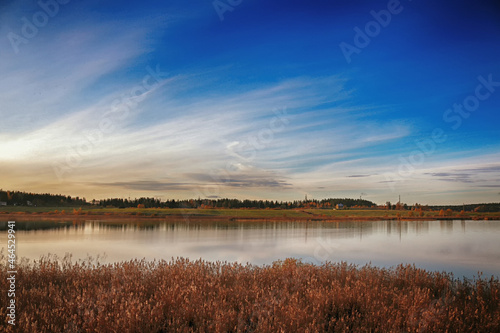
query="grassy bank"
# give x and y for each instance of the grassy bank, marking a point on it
(186, 296)
(239, 213)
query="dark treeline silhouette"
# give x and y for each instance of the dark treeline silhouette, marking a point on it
(234, 203)
(480, 208)
(17, 198)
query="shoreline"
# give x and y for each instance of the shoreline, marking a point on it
(22, 216)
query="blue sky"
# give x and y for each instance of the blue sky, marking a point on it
(252, 99)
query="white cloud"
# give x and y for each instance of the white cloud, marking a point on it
(57, 75)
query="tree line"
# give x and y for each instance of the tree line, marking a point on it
(234, 203)
(18, 198)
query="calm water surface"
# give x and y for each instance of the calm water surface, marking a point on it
(460, 247)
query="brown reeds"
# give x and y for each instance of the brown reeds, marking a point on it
(197, 296)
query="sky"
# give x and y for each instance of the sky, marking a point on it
(252, 99)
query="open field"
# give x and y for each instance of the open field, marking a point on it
(184, 296)
(297, 214)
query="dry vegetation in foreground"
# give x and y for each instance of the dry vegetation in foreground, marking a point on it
(185, 296)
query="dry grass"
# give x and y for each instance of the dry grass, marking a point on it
(62, 212)
(196, 296)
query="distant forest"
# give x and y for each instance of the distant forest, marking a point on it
(236, 203)
(17, 198)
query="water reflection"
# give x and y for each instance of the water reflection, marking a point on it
(462, 247)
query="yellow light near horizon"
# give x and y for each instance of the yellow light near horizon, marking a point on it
(15, 150)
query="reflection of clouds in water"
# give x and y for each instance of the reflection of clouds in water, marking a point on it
(455, 245)
(444, 250)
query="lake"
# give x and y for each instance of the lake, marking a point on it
(460, 247)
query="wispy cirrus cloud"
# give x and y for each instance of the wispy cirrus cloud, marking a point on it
(191, 136)
(57, 76)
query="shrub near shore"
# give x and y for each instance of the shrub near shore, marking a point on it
(197, 296)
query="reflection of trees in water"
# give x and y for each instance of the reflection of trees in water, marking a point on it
(404, 227)
(338, 229)
(38, 225)
(446, 225)
(421, 227)
(345, 227)
(329, 231)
